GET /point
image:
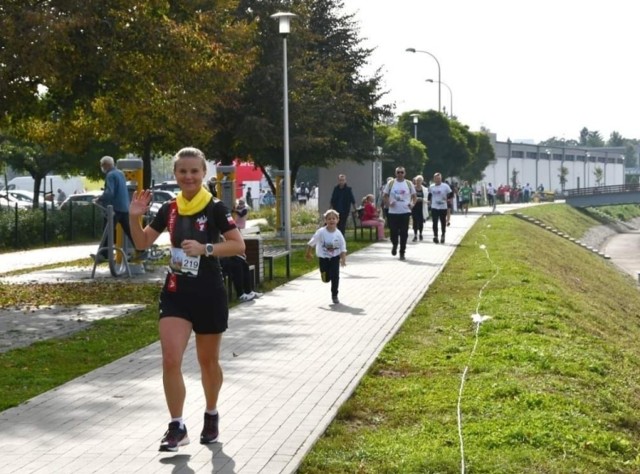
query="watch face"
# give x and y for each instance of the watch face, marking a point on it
(209, 249)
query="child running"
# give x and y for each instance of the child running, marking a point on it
(331, 249)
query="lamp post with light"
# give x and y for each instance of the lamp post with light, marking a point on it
(587, 157)
(284, 22)
(550, 188)
(450, 96)
(415, 117)
(414, 50)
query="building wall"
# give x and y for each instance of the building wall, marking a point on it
(541, 165)
(363, 178)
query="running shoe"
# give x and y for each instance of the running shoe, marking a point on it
(210, 431)
(255, 294)
(244, 297)
(174, 437)
(335, 300)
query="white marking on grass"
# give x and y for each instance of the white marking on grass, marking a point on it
(477, 319)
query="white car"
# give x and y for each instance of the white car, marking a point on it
(24, 199)
(80, 199)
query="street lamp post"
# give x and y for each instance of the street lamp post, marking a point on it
(284, 23)
(587, 157)
(550, 188)
(415, 125)
(450, 96)
(413, 50)
(508, 159)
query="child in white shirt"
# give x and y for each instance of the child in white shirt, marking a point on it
(331, 249)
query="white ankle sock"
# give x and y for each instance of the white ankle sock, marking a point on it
(212, 412)
(180, 420)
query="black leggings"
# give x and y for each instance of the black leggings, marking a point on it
(399, 230)
(418, 219)
(439, 215)
(331, 268)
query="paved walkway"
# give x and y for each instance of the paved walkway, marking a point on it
(290, 359)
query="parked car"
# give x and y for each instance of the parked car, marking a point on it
(80, 199)
(23, 198)
(158, 197)
(167, 186)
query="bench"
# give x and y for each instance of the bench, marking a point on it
(357, 224)
(272, 254)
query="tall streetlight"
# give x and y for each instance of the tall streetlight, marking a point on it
(415, 117)
(549, 158)
(587, 157)
(508, 159)
(414, 50)
(450, 96)
(284, 22)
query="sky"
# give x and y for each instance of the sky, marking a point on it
(525, 70)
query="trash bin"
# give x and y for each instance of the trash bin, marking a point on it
(254, 250)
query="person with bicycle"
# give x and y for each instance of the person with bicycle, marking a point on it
(193, 297)
(116, 195)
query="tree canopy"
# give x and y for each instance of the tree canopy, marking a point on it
(332, 107)
(144, 75)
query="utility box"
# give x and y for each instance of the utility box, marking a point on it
(226, 185)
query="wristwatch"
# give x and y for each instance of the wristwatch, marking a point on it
(208, 250)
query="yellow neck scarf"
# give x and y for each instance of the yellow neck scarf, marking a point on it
(197, 203)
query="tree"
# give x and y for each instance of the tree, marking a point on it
(630, 157)
(144, 75)
(332, 108)
(615, 139)
(598, 174)
(584, 136)
(564, 172)
(558, 142)
(31, 159)
(591, 138)
(482, 153)
(400, 149)
(453, 149)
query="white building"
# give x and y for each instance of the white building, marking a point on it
(537, 164)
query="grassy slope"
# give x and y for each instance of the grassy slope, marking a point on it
(552, 387)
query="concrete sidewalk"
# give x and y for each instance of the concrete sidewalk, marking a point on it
(290, 359)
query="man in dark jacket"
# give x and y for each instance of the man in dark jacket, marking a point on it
(342, 200)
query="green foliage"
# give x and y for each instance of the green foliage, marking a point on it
(552, 386)
(331, 106)
(400, 149)
(146, 77)
(452, 149)
(74, 224)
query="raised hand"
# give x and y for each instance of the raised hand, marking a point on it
(140, 203)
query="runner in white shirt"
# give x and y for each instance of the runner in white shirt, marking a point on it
(400, 196)
(439, 196)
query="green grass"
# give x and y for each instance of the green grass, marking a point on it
(553, 385)
(29, 371)
(577, 222)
